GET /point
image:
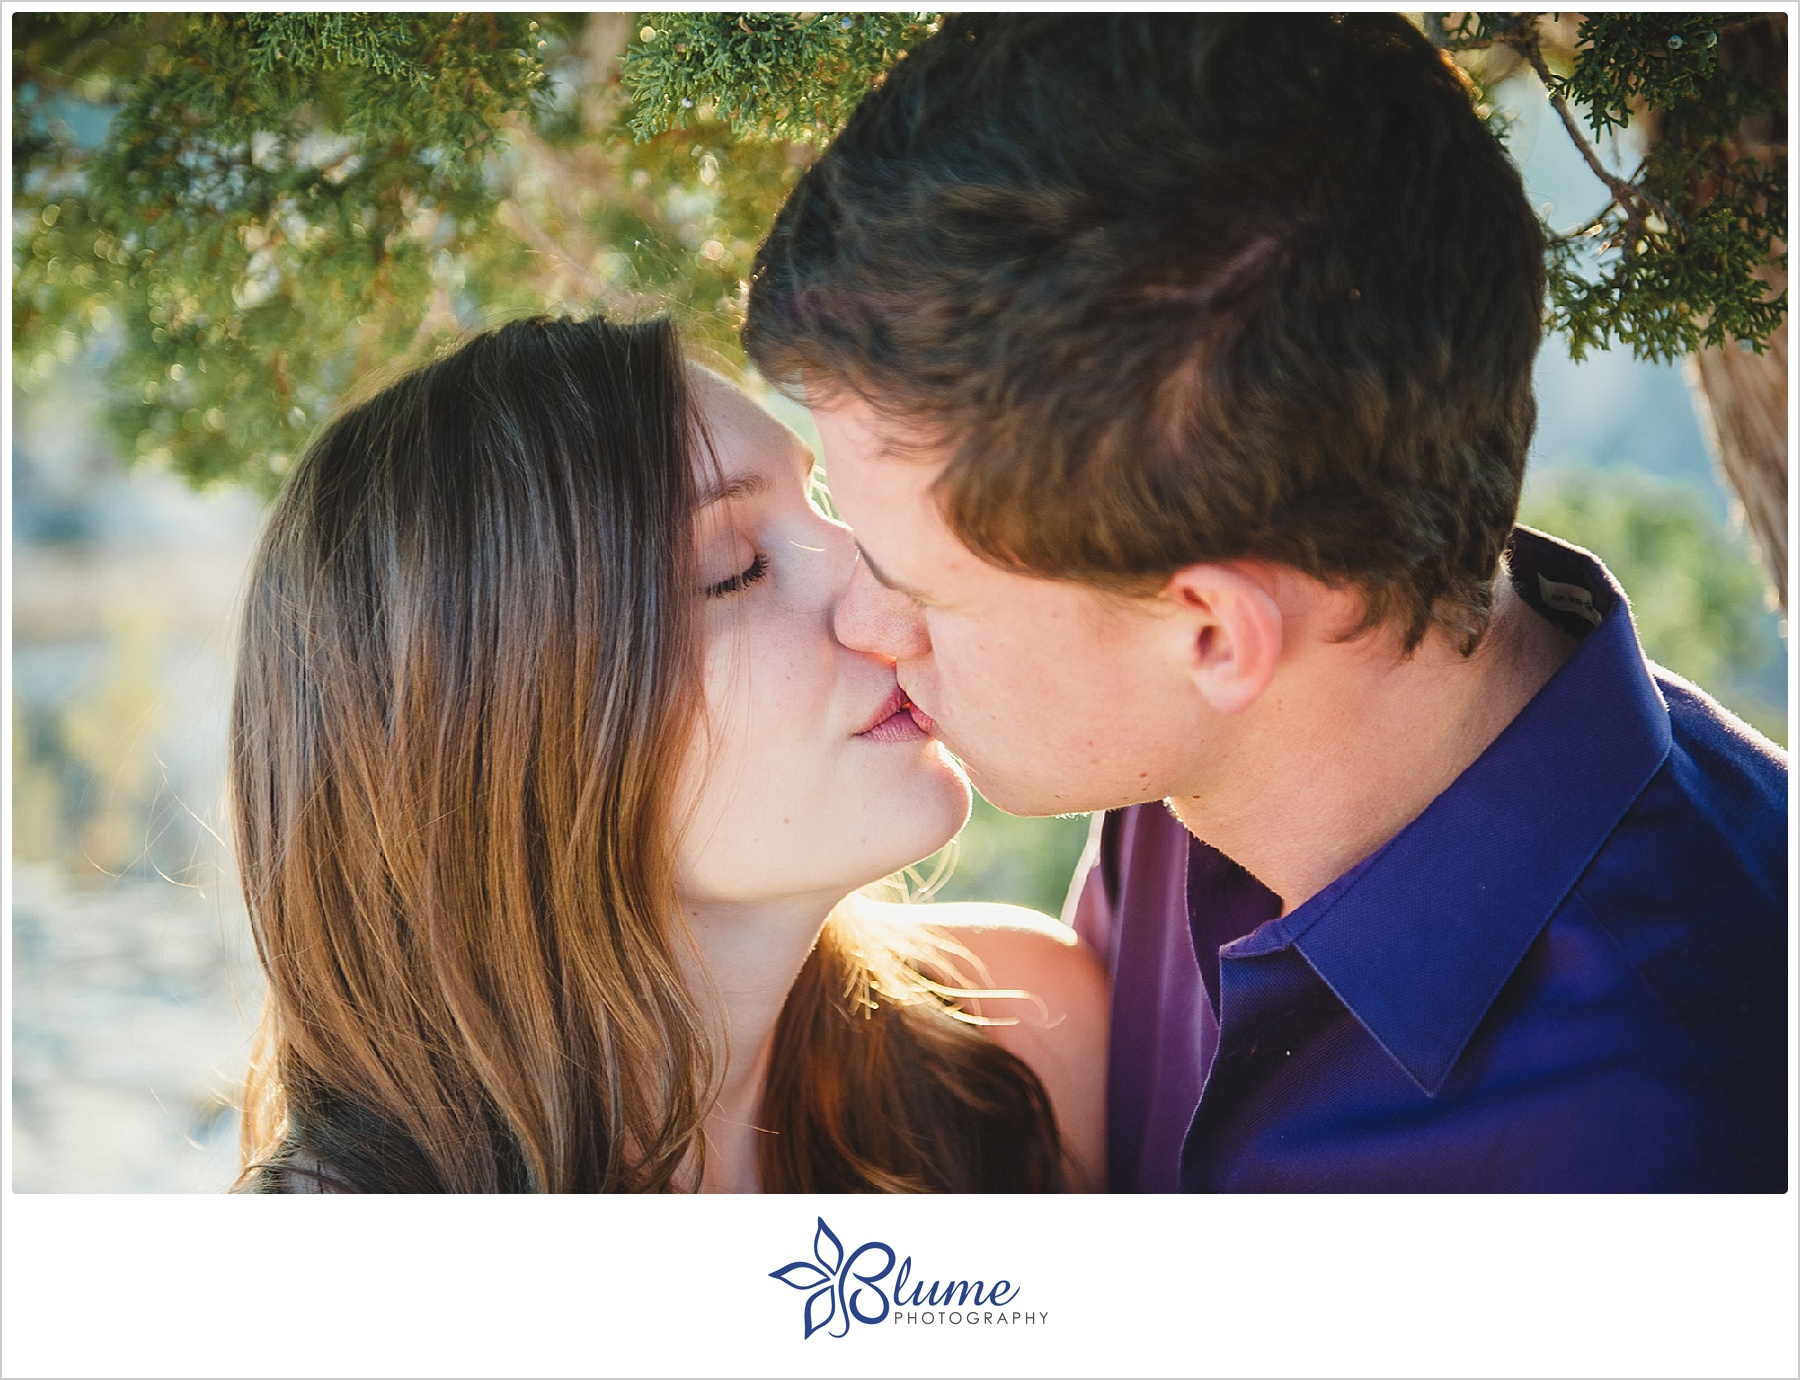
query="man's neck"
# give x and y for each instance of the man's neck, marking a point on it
(1355, 742)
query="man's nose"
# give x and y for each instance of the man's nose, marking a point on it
(872, 618)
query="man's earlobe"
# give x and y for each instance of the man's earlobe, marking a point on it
(1234, 631)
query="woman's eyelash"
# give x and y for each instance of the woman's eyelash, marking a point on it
(742, 580)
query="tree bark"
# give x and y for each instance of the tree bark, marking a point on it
(1741, 396)
(1742, 402)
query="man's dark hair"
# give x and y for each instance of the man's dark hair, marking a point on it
(1182, 288)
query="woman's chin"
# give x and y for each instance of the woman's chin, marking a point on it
(929, 817)
(913, 817)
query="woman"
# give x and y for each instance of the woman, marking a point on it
(550, 780)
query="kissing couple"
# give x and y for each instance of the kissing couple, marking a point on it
(1173, 379)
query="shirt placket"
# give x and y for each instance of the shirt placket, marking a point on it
(1270, 1003)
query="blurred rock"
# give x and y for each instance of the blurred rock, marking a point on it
(133, 1007)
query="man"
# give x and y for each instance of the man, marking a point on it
(1175, 375)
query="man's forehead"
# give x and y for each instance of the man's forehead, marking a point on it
(875, 482)
(869, 431)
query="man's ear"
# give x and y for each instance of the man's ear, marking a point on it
(1233, 628)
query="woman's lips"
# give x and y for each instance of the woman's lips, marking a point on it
(893, 722)
(898, 727)
(922, 719)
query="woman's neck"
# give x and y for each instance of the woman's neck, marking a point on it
(751, 954)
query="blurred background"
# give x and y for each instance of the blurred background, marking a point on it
(181, 325)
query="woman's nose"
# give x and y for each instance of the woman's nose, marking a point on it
(872, 618)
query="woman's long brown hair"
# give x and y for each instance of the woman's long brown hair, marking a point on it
(468, 673)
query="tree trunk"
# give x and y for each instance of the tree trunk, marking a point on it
(1742, 396)
(1742, 401)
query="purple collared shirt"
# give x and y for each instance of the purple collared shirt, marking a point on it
(1568, 974)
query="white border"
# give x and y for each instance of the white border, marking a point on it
(1431, 1286)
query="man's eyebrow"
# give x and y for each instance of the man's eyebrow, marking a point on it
(884, 580)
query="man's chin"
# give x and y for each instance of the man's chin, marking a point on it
(1032, 800)
(1038, 799)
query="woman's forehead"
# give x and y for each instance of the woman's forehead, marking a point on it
(742, 446)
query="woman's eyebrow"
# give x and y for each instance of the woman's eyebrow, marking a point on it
(751, 482)
(719, 488)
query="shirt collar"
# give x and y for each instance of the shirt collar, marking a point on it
(1418, 940)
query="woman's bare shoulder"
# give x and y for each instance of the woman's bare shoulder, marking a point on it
(986, 921)
(1019, 948)
(1044, 998)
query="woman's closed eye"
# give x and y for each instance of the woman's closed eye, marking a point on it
(742, 580)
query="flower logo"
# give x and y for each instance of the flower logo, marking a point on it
(836, 1289)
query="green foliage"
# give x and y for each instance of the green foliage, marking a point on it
(1697, 596)
(1670, 264)
(261, 218)
(1640, 60)
(790, 77)
(250, 212)
(254, 211)
(1002, 857)
(683, 239)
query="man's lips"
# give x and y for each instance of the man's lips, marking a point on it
(922, 719)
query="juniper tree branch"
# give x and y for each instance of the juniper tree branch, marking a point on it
(1623, 192)
(1586, 228)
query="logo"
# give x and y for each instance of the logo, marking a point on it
(864, 1286)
